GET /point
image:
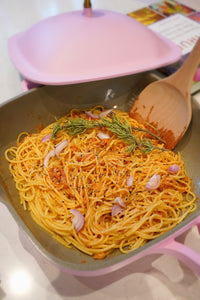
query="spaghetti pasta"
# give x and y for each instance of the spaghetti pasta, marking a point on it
(94, 190)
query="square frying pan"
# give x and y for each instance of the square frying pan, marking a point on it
(41, 105)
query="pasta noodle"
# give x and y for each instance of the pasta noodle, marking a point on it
(123, 198)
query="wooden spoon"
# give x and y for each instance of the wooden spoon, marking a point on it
(166, 104)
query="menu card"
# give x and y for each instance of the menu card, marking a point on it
(177, 22)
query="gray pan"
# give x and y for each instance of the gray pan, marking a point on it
(41, 105)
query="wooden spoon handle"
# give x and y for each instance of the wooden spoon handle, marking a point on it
(183, 78)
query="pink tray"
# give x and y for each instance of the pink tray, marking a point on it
(88, 45)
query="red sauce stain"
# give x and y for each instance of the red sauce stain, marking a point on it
(165, 134)
(39, 128)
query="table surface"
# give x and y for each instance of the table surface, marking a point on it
(24, 272)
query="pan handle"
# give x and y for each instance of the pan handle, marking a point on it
(182, 252)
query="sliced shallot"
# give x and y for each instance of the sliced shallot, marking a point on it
(48, 156)
(91, 115)
(98, 116)
(120, 202)
(153, 183)
(174, 169)
(60, 147)
(46, 137)
(78, 221)
(54, 152)
(102, 136)
(129, 180)
(105, 113)
(116, 209)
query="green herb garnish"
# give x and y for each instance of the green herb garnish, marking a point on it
(79, 126)
(123, 130)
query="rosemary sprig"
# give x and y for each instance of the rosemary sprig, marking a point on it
(74, 126)
(56, 128)
(157, 137)
(147, 146)
(79, 126)
(122, 130)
